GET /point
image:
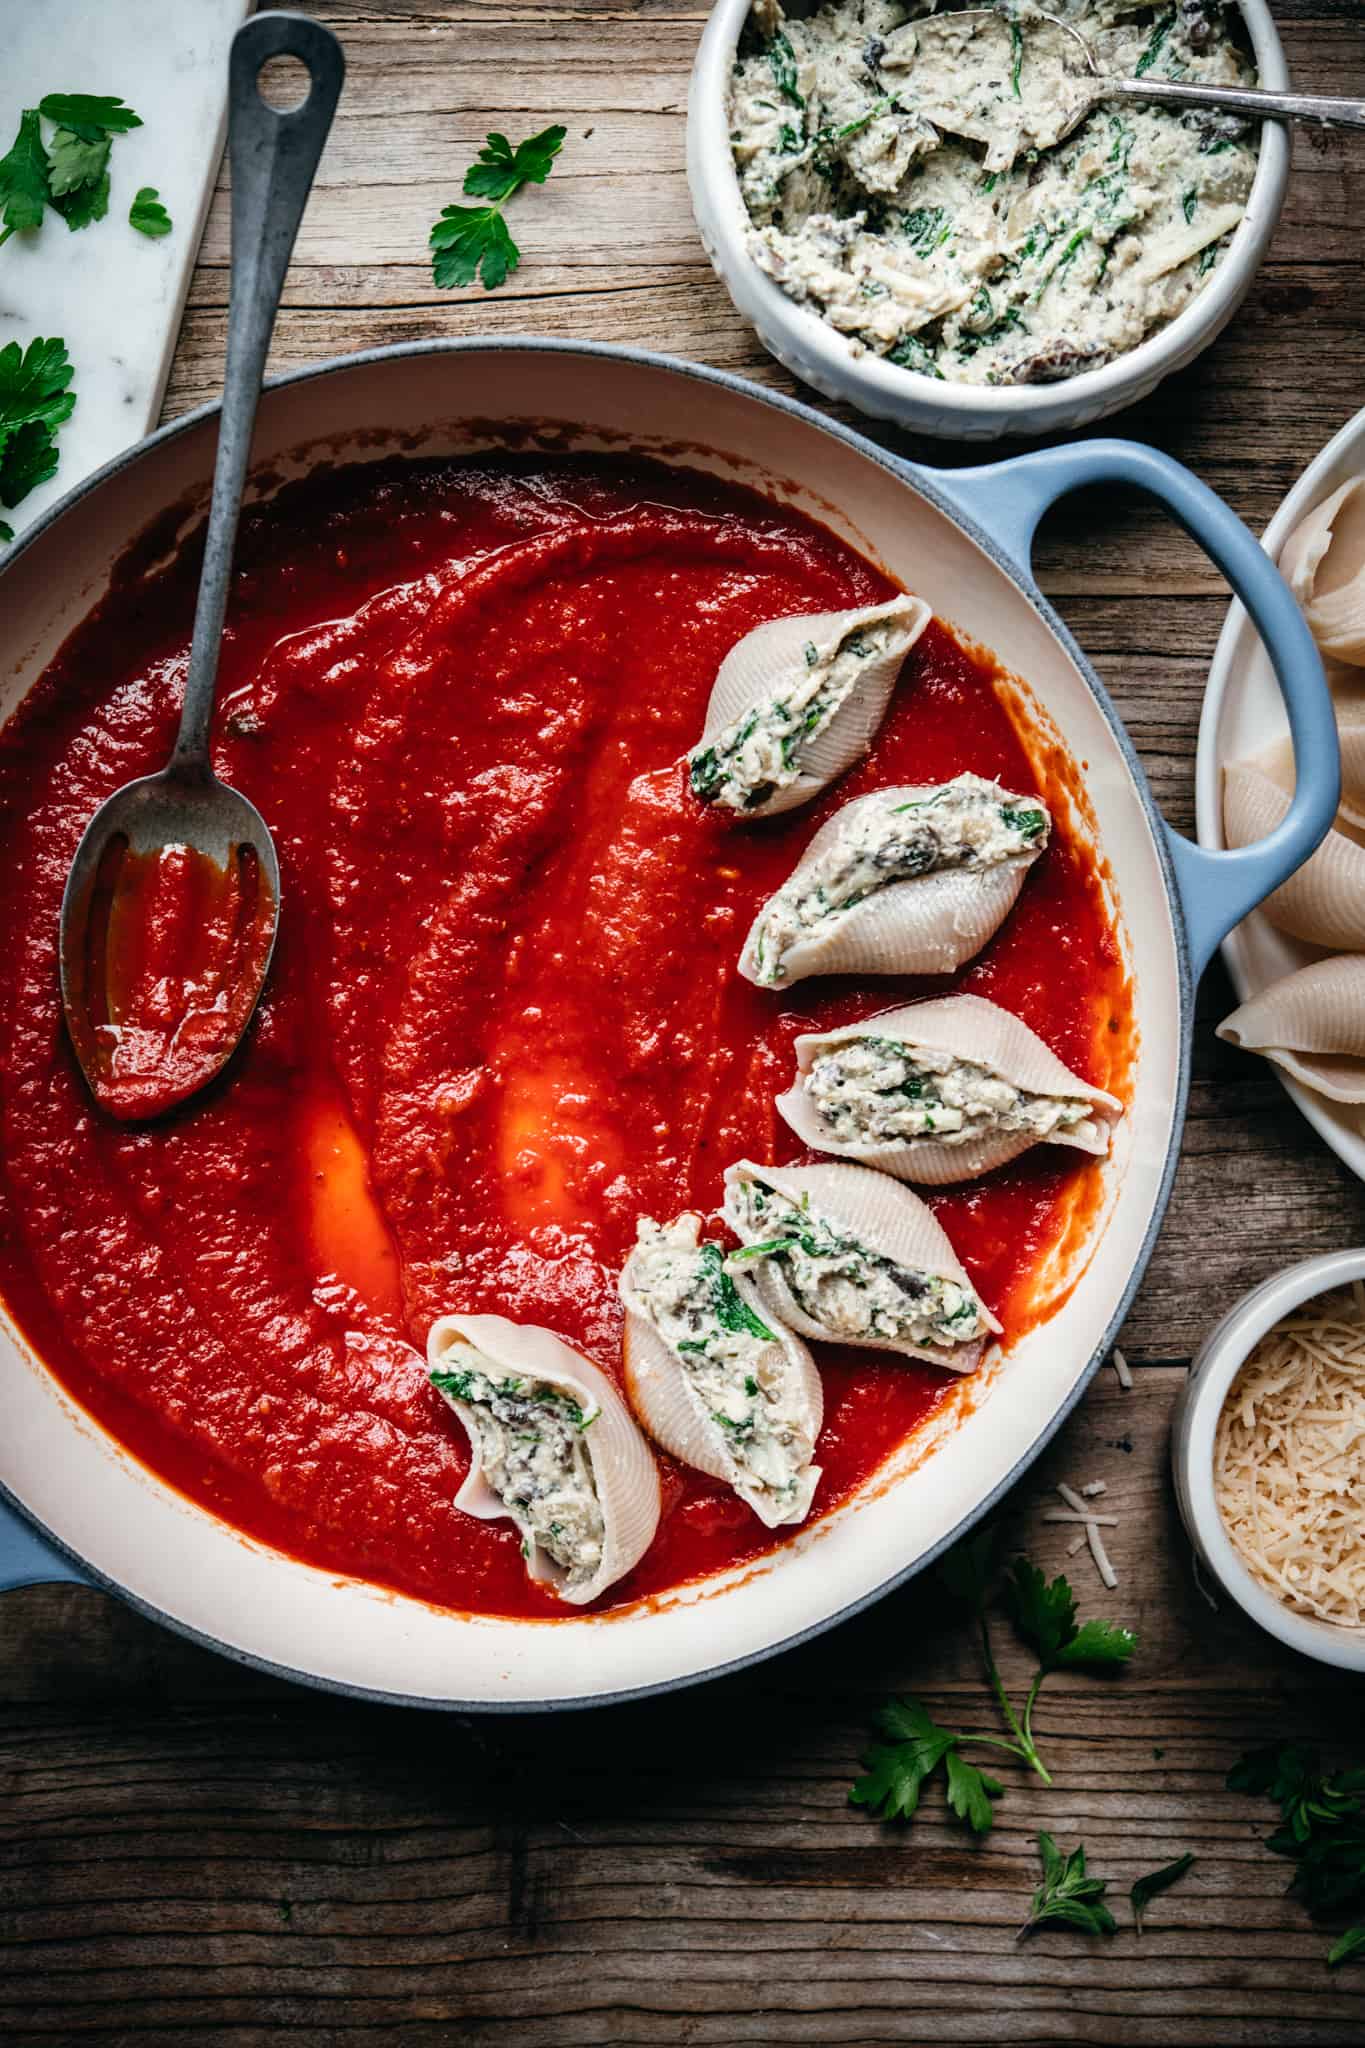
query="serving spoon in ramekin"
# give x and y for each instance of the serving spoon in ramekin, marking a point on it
(171, 906)
(1003, 41)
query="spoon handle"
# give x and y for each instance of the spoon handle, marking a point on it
(1290, 106)
(274, 155)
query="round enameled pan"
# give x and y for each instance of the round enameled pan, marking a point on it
(962, 542)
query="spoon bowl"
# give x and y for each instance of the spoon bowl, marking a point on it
(162, 830)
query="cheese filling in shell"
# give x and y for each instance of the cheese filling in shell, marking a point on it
(852, 1291)
(765, 747)
(968, 825)
(532, 1439)
(876, 1090)
(754, 1386)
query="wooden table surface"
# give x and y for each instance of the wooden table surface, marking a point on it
(193, 1853)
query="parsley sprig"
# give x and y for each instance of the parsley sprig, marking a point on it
(1322, 1831)
(1067, 1894)
(70, 173)
(1044, 1614)
(470, 242)
(34, 401)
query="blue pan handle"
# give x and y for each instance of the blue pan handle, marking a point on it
(28, 1559)
(1009, 498)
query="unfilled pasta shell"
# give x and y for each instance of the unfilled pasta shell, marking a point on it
(1312, 1024)
(877, 1212)
(1324, 901)
(667, 1404)
(1323, 562)
(929, 924)
(623, 1468)
(1351, 733)
(969, 1028)
(758, 665)
(1277, 761)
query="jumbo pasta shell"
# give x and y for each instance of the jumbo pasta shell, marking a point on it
(773, 657)
(928, 924)
(624, 1473)
(1312, 1024)
(877, 1212)
(1324, 900)
(1351, 734)
(968, 1028)
(667, 1403)
(1323, 562)
(1277, 760)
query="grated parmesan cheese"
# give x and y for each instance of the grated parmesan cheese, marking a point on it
(1289, 1459)
(1079, 1510)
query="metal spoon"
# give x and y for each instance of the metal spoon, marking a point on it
(1092, 88)
(274, 155)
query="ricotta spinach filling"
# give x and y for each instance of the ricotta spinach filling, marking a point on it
(848, 1288)
(735, 1365)
(966, 823)
(762, 750)
(881, 1091)
(532, 1441)
(963, 255)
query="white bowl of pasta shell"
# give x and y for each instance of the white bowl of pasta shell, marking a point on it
(1258, 1456)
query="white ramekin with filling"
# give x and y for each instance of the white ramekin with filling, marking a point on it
(815, 351)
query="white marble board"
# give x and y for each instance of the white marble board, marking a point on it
(115, 297)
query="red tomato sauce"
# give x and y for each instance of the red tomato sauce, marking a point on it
(503, 1018)
(164, 968)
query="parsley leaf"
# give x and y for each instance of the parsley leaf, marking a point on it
(73, 161)
(34, 401)
(6, 533)
(1045, 1615)
(1066, 1895)
(1154, 1883)
(1322, 1831)
(1351, 1943)
(88, 115)
(30, 458)
(148, 215)
(24, 189)
(473, 242)
(33, 385)
(500, 168)
(896, 1770)
(84, 204)
(970, 1792)
(1096, 1643)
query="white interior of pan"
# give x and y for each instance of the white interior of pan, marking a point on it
(202, 1574)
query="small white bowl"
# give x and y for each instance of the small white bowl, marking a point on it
(815, 351)
(1221, 1356)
